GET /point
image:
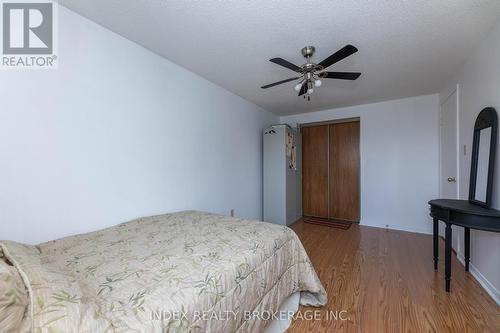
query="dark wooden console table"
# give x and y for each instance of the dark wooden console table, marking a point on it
(464, 214)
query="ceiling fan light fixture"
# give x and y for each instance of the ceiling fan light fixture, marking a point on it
(318, 83)
(310, 88)
(297, 87)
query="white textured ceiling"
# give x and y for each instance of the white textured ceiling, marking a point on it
(406, 48)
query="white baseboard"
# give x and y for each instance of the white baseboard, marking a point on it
(487, 285)
(399, 227)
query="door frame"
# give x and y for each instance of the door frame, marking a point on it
(329, 122)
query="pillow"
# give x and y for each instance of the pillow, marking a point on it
(13, 298)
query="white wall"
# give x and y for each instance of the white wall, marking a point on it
(479, 86)
(118, 132)
(399, 159)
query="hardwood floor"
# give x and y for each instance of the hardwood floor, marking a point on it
(386, 282)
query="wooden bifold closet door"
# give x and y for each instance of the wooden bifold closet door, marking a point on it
(315, 171)
(331, 171)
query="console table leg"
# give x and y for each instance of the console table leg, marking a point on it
(467, 248)
(447, 254)
(435, 236)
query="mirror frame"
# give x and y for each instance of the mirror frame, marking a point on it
(486, 118)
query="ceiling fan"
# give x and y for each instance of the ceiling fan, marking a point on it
(311, 73)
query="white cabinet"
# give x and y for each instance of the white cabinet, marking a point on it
(282, 175)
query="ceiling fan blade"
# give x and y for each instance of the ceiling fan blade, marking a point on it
(340, 75)
(303, 89)
(279, 82)
(287, 64)
(339, 55)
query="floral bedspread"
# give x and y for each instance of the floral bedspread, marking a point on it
(180, 272)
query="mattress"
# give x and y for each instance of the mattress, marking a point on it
(182, 272)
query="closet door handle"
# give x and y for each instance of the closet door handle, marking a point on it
(452, 179)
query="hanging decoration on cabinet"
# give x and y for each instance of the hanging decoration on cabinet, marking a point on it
(293, 158)
(289, 144)
(291, 153)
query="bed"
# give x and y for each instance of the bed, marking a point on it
(182, 272)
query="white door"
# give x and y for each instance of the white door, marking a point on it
(449, 155)
(449, 148)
